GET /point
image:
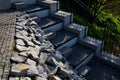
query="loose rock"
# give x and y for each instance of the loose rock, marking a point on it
(17, 58)
(19, 69)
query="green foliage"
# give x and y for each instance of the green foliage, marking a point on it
(104, 26)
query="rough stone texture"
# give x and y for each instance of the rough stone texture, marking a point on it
(32, 71)
(42, 71)
(19, 69)
(55, 78)
(17, 58)
(7, 31)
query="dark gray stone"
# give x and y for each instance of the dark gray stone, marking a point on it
(42, 71)
(52, 61)
(64, 72)
(32, 71)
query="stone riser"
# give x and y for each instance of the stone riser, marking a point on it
(41, 14)
(55, 27)
(88, 59)
(69, 43)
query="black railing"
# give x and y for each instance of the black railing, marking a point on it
(82, 16)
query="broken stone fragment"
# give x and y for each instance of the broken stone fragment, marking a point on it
(28, 22)
(46, 50)
(19, 27)
(20, 42)
(21, 48)
(30, 62)
(24, 54)
(40, 78)
(28, 43)
(19, 70)
(35, 49)
(33, 55)
(36, 19)
(19, 36)
(52, 61)
(23, 32)
(42, 71)
(14, 78)
(53, 70)
(36, 42)
(64, 72)
(17, 58)
(58, 55)
(25, 78)
(55, 78)
(32, 71)
(43, 57)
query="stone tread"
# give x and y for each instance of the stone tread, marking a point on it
(62, 36)
(80, 54)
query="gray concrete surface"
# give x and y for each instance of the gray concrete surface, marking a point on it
(100, 71)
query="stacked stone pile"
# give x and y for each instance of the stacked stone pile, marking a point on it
(36, 58)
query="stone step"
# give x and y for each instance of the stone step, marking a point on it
(83, 70)
(66, 17)
(92, 43)
(80, 56)
(18, 5)
(53, 5)
(37, 10)
(31, 2)
(50, 24)
(76, 28)
(63, 38)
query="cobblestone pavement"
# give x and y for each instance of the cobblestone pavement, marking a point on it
(7, 31)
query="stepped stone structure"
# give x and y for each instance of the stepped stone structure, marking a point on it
(48, 45)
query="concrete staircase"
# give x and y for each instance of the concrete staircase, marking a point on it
(67, 37)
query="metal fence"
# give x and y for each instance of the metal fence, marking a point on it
(110, 37)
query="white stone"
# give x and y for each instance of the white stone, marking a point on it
(17, 58)
(20, 42)
(19, 69)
